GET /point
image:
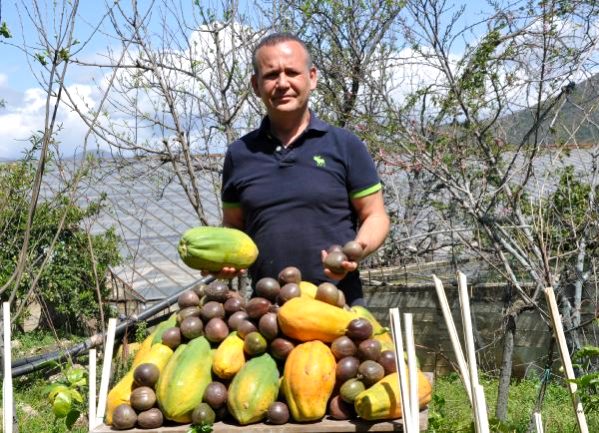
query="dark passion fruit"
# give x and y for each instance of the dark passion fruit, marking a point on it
(215, 395)
(216, 330)
(353, 250)
(235, 318)
(280, 348)
(369, 349)
(151, 418)
(290, 274)
(334, 262)
(212, 309)
(277, 413)
(146, 374)
(335, 247)
(327, 292)
(339, 409)
(233, 305)
(289, 291)
(343, 346)
(142, 398)
(359, 329)
(187, 312)
(172, 337)
(188, 298)
(123, 417)
(257, 307)
(341, 299)
(370, 372)
(268, 326)
(268, 288)
(245, 327)
(387, 360)
(347, 368)
(192, 327)
(217, 291)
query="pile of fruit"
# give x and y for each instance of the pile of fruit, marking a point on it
(294, 352)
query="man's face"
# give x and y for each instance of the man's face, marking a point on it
(284, 80)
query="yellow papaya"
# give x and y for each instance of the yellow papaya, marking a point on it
(383, 399)
(308, 380)
(159, 354)
(307, 319)
(229, 357)
(253, 389)
(181, 385)
(308, 289)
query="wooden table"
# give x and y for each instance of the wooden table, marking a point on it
(327, 425)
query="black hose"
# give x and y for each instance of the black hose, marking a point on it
(34, 363)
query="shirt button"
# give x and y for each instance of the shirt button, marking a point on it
(278, 149)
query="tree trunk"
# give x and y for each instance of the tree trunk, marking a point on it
(505, 374)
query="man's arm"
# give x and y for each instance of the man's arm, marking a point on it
(374, 221)
(233, 217)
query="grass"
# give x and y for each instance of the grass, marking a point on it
(450, 411)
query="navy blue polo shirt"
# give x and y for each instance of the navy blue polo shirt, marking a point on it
(296, 201)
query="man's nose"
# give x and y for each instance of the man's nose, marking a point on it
(282, 81)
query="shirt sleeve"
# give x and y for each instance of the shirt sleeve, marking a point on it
(363, 178)
(229, 192)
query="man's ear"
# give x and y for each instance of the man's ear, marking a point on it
(313, 77)
(254, 81)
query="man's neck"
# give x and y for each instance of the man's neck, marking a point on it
(289, 127)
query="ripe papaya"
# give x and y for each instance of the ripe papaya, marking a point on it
(159, 354)
(229, 357)
(181, 385)
(308, 380)
(308, 289)
(383, 399)
(212, 248)
(307, 319)
(253, 389)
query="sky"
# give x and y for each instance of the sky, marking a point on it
(24, 102)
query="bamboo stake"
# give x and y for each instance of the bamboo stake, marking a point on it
(401, 370)
(478, 406)
(92, 390)
(108, 348)
(565, 356)
(7, 395)
(538, 422)
(412, 370)
(453, 335)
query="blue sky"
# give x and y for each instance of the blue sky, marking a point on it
(19, 87)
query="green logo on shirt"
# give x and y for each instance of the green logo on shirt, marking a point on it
(320, 162)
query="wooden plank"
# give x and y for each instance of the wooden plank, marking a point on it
(327, 425)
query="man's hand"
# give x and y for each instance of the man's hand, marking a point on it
(348, 266)
(226, 273)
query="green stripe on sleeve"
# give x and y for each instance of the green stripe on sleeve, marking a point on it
(366, 191)
(229, 205)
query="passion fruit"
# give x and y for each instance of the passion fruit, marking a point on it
(387, 360)
(334, 262)
(142, 398)
(235, 318)
(353, 250)
(327, 292)
(188, 298)
(280, 348)
(343, 346)
(288, 291)
(187, 312)
(370, 372)
(339, 409)
(216, 330)
(215, 395)
(203, 415)
(212, 309)
(277, 413)
(347, 368)
(172, 337)
(290, 274)
(151, 418)
(268, 288)
(257, 307)
(268, 326)
(192, 327)
(233, 305)
(123, 417)
(369, 349)
(350, 389)
(216, 291)
(254, 344)
(359, 329)
(146, 374)
(245, 327)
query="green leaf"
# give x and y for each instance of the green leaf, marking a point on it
(75, 395)
(54, 389)
(72, 418)
(62, 405)
(4, 31)
(40, 58)
(74, 376)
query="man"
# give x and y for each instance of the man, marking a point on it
(297, 185)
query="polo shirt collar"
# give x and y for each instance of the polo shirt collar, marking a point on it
(315, 124)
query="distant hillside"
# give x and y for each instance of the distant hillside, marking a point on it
(579, 114)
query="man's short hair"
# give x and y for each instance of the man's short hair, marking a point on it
(277, 38)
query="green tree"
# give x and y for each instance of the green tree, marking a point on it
(65, 265)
